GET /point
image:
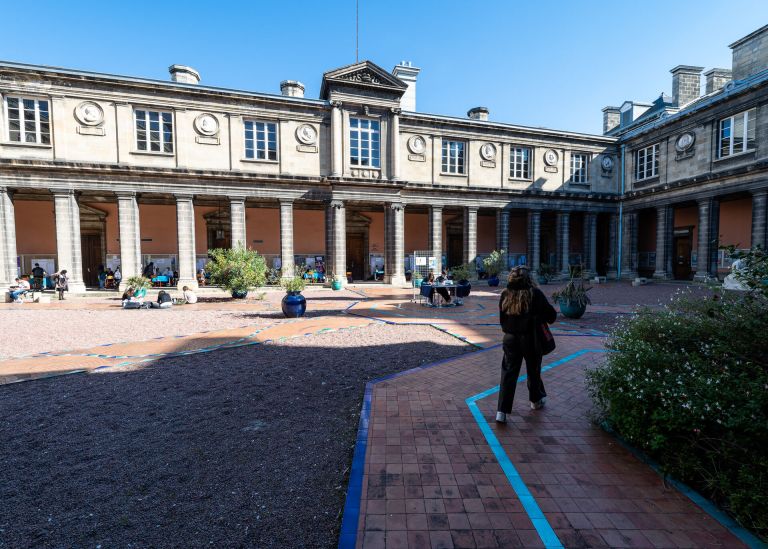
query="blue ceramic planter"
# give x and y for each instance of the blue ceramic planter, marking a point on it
(493, 281)
(336, 285)
(571, 309)
(294, 305)
(239, 294)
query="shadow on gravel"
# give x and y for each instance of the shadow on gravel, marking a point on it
(240, 447)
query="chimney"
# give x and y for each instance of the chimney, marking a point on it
(478, 113)
(292, 88)
(611, 118)
(716, 79)
(686, 84)
(750, 54)
(184, 74)
(406, 72)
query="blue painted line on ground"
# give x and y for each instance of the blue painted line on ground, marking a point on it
(532, 509)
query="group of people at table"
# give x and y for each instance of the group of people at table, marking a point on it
(437, 289)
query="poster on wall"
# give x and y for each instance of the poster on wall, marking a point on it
(47, 264)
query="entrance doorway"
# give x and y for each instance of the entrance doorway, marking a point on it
(93, 243)
(682, 248)
(455, 250)
(92, 258)
(356, 256)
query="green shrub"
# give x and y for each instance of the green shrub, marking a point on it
(138, 282)
(495, 262)
(236, 269)
(688, 384)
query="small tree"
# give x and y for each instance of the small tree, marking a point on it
(138, 282)
(495, 262)
(237, 269)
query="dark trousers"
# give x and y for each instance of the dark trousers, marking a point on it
(61, 292)
(517, 348)
(443, 292)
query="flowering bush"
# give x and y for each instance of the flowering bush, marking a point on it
(688, 384)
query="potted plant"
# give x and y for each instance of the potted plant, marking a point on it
(293, 304)
(140, 285)
(417, 279)
(546, 272)
(494, 263)
(336, 282)
(237, 269)
(461, 273)
(573, 298)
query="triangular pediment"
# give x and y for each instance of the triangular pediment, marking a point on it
(363, 75)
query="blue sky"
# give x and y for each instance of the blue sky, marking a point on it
(551, 64)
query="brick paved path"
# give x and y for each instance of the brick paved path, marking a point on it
(433, 480)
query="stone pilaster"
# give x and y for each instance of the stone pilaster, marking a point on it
(590, 244)
(436, 236)
(613, 246)
(395, 144)
(286, 238)
(534, 240)
(707, 234)
(759, 202)
(470, 235)
(563, 242)
(664, 223)
(68, 252)
(237, 216)
(185, 231)
(337, 159)
(336, 240)
(130, 237)
(502, 230)
(629, 245)
(394, 264)
(8, 256)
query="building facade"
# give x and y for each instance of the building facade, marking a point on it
(106, 170)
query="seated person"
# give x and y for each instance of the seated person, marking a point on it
(201, 277)
(164, 301)
(129, 299)
(22, 287)
(189, 295)
(444, 293)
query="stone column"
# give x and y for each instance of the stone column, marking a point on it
(470, 235)
(663, 241)
(395, 144)
(759, 201)
(502, 229)
(629, 244)
(8, 256)
(705, 237)
(286, 237)
(68, 239)
(590, 244)
(613, 249)
(185, 230)
(130, 237)
(237, 223)
(337, 159)
(563, 242)
(534, 240)
(436, 236)
(394, 265)
(336, 240)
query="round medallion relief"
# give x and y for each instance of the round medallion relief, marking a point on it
(417, 144)
(550, 157)
(607, 163)
(685, 141)
(207, 124)
(89, 113)
(488, 151)
(306, 134)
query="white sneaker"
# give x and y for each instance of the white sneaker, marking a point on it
(539, 405)
(501, 417)
(17, 300)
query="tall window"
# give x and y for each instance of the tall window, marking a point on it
(154, 131)
(520, 163)
(737, 133)
(579, 165)
(261, 140)
(28, 120)
(364, 142)
(453, 156)
(647, 162)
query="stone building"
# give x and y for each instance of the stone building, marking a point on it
(97, 169)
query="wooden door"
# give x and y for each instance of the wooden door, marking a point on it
(682, 266)
(91, 252)
(355, 256)
(455, 251)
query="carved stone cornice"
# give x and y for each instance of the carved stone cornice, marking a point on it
(336, 204)
(336, 104)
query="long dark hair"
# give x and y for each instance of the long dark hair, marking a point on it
(516, 299)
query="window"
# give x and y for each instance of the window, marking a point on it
(261, 140)
(29, 120)
(647, 162)
(364, 142)
(736, 134)
(520, 163)
(453, 156)
(579, 164)
(154, 131)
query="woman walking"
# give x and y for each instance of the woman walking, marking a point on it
(61, 282)
(523, 308)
